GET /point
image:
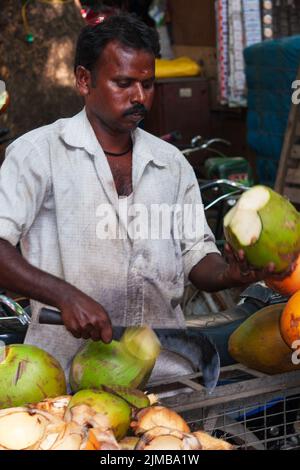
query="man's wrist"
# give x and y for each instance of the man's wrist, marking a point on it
(226, 280)
(63, 293)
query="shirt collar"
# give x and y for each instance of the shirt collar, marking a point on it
(79, 133)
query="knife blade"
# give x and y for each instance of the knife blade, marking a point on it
(195, 346)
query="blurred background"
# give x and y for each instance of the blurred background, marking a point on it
(246, 51)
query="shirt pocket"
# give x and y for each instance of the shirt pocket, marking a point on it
(160, 261)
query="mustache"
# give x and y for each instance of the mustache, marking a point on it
(136, 109)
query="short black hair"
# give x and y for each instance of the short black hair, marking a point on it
(125, 28)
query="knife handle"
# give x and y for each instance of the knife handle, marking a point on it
(48, 316)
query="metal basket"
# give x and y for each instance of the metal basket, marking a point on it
(249, 409)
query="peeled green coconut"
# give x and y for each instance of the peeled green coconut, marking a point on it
(114, 408)
(266, 226)
(126, 363)
(28, 375)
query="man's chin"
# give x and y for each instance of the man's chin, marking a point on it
(131, 126)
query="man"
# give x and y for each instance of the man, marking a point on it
(57, 179)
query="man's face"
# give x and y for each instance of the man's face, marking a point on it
(122, 87)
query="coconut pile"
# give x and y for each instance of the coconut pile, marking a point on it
(105, 412)
(67, 423)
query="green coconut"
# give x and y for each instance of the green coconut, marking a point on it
(114, 408)
(126, 363)
(135, 398)
(266, 226)
(28, 375)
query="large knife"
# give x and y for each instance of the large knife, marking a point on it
(190, 343)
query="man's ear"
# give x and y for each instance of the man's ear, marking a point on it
(83, 80)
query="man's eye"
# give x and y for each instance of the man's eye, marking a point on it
(148, 85)
(123, 84)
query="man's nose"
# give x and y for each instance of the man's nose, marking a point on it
(139, 95)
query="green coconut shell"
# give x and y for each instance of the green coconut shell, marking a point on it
(279, 241)
(28, 375)
(117, 410)
(135, 398)
(98, 364)
(257, 343)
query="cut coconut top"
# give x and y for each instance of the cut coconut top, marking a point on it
(246, 226)
(141, 342)
(254, 199)
(243, 219)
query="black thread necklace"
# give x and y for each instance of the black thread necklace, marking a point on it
(118, 154)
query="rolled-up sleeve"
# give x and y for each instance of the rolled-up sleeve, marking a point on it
(197, 239)
(24, 181)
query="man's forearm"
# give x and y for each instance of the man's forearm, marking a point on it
(211, 274)
(17, 275)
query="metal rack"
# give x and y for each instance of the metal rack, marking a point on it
(248, 409)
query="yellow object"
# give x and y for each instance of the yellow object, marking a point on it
(181, 67)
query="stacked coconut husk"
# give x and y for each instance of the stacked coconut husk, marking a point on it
(98, 416)
(54, 424)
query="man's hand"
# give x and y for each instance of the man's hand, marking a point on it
(215, 272)
(85, 318)
(241, 272)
